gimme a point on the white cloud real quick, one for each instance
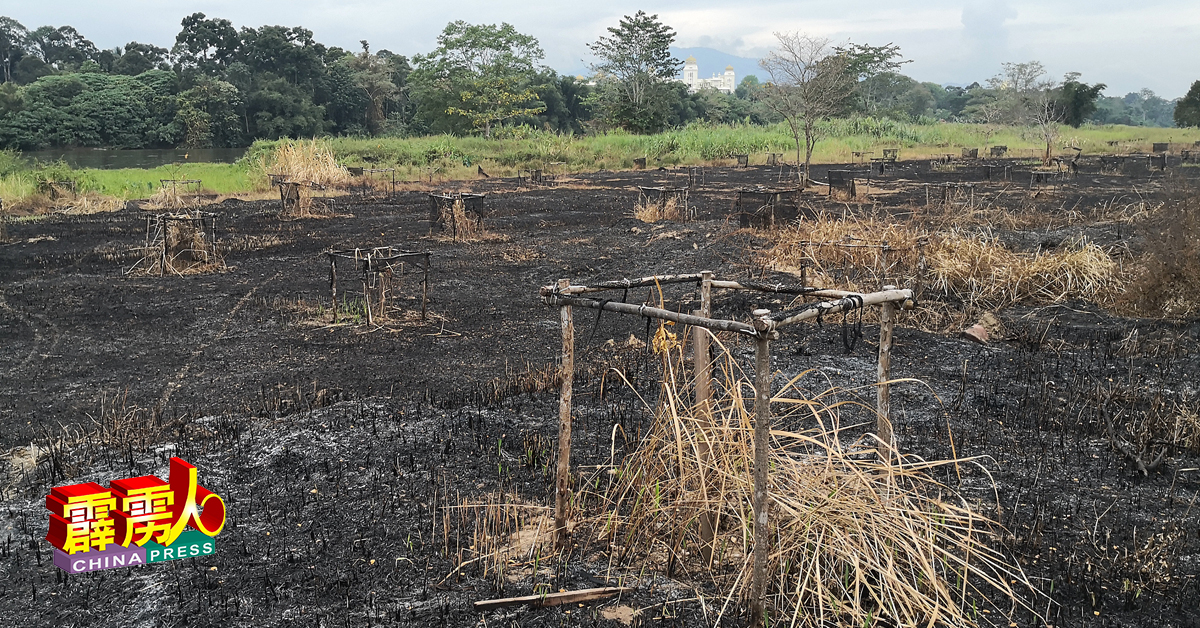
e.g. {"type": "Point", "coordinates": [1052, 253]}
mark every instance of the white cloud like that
{"type": "Point", "coordinates": [1127, 46]}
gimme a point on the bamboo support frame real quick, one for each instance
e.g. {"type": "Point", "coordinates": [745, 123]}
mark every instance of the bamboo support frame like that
{"type": "Point", "coordinates": [764, 328]}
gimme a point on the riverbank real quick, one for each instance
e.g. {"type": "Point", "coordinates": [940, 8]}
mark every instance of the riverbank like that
{"type": "Point", "coordinates": [444, 158]}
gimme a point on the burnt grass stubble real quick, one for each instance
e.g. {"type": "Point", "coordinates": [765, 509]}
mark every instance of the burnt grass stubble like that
{"type": "Point", "coordinates": [336, 448]}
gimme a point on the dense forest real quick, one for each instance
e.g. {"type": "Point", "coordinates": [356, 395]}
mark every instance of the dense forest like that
{"type": "Point", "coordinates": [218, 86]}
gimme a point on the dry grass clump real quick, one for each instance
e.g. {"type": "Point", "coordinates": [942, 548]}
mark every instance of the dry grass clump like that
{"type": "Point", "coordinates": [91, 203]}
{"type": "Point", "coordinates": [463, 225]}
{"type": "Point", "coordinates": [499, 538]}
{"type": "Point", "coordinates": [305, 161]}
{"type": "Point", "coordinates": [189, 250]}
{"type": "Point", "coordinates": [1166, 277]}
{"type": "Point", "coordinates": [648, 210]}
{"type": "Point", "coordinates": [855, 541]}
{"type": "Point", "coordinates": [973, 268]}
{"type": "Point", "coordinates": [850, 253]}
{"type": "Point", "coordinates": [171, 197]}
{"type": "Point", "coordinates": [978, 269]}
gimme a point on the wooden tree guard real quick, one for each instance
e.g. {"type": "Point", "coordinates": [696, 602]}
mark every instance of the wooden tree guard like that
{"type": "Point", "coordinates": [659, 196]}
{"type": "Point", "coordinates": [764, 328]}
{"type": "Point", "coordinates": [158, 238]}
{"type": "Point", "coordinates": [759, 206]}
{"type": "Point", "coordinates": [441, 210]}
{"type": "Point", "coordinates": [376, 265]}
{"type": "Point", "coordinates": [289, 196]}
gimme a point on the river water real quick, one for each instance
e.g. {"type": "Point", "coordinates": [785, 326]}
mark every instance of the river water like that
{"type": "Point", "coordinates": [137, 158]}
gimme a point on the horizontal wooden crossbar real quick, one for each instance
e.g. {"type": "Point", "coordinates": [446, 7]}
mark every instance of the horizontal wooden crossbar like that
{"type": "Point", "coordinates": [839, 301]}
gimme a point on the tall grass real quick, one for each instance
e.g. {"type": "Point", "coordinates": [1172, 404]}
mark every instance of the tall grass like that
{"type": "Point", "coordinates": [701, 143]}
{"type": "Point", "coordinates": [855, 540]}
{"type": "Point", "coordinates": [302, 161]}
{"type": "Point", "coordinates": [442, 157]}
{"type": "Point", "coordinates": [968, 266]}
{"type": "Point", "coordinates": [135, 183]}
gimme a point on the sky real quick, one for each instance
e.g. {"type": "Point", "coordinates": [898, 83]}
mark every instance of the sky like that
{"type": "Point", "coordinates": [1126, 44]}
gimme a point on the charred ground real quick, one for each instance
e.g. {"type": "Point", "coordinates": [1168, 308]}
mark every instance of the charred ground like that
{"type": "Point", "coordinates": [338, 447]}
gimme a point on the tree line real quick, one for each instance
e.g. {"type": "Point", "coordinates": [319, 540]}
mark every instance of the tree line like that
{"type": "Point", "coordinates": [218, 86]}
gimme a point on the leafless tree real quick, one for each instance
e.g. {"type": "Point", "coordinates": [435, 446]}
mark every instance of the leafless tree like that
{"type": "Point", "coordinates": [810, 82]}
{"type": "Point", "coordinates": [1048, 116]}
{"type": "Point", "coordinates": [1024, 96]}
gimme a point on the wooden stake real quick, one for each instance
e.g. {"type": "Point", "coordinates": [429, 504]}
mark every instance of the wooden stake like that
{"type": "Point", "coordinates": [166, 229]}
{"type": "Point", "coordinates": [367, 300]}
{"type": "Point", "coordinates": [703, 367]}
{"type": "Point", "coordinates": [883, 427]}
{"type": "Point", "coordinates": [333, 286]}
{"type": "Point", "coordinates": [762, 433]}
{"type": "Point", "coordinates": [425, 288]}
{"type": "Point", "coordinates": [567, 373]}
{"type": "Point", "coordinates": [382, 279]}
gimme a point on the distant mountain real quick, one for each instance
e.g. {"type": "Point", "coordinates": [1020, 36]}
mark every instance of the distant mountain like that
{"type": "Point", "coordinates": [714, 62]}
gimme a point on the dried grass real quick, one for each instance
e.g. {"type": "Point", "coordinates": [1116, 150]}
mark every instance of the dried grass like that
{"type": "Point", "coordinates": [1166, 277]}
{"type": "Point", "coordinates": [855, 541]}
{"type": "Point", "coordinates": [970, 267]}
{"type": "Point", "coordinates": [979, 270]}
{"type": "Point", "coordinates": [499, 538]}
{"type": "Point", "coordinates": [305, 161]}
{"type": "Point", "coordinates": [465, 226]}
{"type": "Point", "coordinates": [92, 203]}
{"type": "Point", "coordinates": [648, 210]}
{"type": "Point", "coordinates": [170, 197]}
{"type": "Point", "coordinates": [189, 251]}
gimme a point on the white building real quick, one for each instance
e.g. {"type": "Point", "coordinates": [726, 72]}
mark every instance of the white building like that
{"type": "Point", "coordinates": [691, 78]}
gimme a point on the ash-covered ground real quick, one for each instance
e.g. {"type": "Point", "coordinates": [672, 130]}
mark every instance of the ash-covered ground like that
{"type": "Point", "coordinates": [339, 448]}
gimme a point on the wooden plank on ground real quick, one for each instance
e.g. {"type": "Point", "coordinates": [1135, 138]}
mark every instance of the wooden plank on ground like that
{"type": "Point", "coordinates": [551, 599]}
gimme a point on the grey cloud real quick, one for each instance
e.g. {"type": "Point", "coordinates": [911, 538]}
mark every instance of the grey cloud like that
{"type": "Point", "coordinates": [983, 23]}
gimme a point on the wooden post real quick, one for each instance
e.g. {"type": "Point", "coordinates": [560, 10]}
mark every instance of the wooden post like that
{"type": "Point", "coordinates": [762, 433]}
{"type": "Point", "coordinates": [703, 367]}
{"type": "Point", "coordinates": [166, 232]}
{"type": "Point", "coordinates": [367, 290]}
{"type": "Point", "coordinates": [333, 284]}
{"type": "Point", "coordinates": [382, 279]}
{"type": "Point", "coordinates": [566, 376]}
{"type": "Point", "coordinates": [425, 288]}
{"type": "Point", "coordinates": [883, 408]}
{"type": "Point", "coordinates": [702, 358]}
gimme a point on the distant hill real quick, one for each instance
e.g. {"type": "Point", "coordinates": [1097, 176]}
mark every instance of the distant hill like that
{"type": "Point", "coordinates": [714, 62]}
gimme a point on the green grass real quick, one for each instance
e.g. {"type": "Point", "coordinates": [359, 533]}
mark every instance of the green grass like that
{"type": "Point", "coordinates": [140, 183]}
{"type": "Point", "coordinates": [133, 183]}
{"type": "Point", "coordinates": [446, 157]}
{"type": "Point", "coordinates": [696, 144]}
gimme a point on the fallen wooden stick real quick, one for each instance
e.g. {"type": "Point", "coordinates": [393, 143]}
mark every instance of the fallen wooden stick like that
{"type": "Point", "coordinates": [551, 599]}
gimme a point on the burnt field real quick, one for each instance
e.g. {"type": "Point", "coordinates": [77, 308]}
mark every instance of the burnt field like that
{"type": "Point", "coordinates": [353, 458]}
